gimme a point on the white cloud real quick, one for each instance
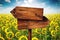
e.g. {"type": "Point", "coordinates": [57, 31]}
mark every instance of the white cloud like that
{"type": "Point", "coordinates": [8, 1]}
{"type": "Point", "coordinates": [25, 3]}
{"type": "Point", "coordinates": [6, 10]}
{"type": "Point", "coordinates": [31, 3]}
{"type": "Point", "coordinates": [19, 2]}
{"type": "Point", "coordinates": [47, 9]}
{"type": "Point", "coordinates": [41, 5]}
{"type": "Point", "coordinates": [50, 10]}
{"type": "Point", "coordinates": [28, 1]}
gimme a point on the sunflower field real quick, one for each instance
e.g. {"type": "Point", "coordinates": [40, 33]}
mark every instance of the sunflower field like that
{"type": "Point", "coordinates": [9, 31]}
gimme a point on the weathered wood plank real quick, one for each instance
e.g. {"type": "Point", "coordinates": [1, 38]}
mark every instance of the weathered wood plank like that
{"type": "Point", "coordinates": [30, 24]}
{"type": "Point", "coordinates": [28, 13]}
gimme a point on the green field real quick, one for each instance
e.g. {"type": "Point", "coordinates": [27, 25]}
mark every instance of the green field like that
{"type": "Point", "coordinates": [9, 31]}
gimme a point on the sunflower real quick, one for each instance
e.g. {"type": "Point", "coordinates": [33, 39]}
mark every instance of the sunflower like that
{"type": "Point", "coordinates": [7, 21]}
{"type": "Point", "coordinates": [51, 28]}
{"type": "Point", "coordinates": [34, 30]}
{"type": "Point", "coordinates": [22, 38]}
{"type": "Point", "coordinates": [34, 38]}
{"type": "Point", "coordinates": [57, 28]}
{"type": "Point", "coordinates": [53, 32]}
{"type": "Point", "coordinates": [17, 34]}
{"type": "Point", "coordinates": [52, 23]}
{"type": "Point", "coordinates": [16, 27]}
{"type": "Point", "coordinates": [1, 38]}
{"type": "Point", "coordinates": [7, 30]}
{"type": "Point", "coordinates": [10, 35]}
{"type": "Point", "coordinates": [4, 27]}
{"type": "Point", "coordinates": [43, 30]}
{"type": "Point", "coordinates": [0, 16]}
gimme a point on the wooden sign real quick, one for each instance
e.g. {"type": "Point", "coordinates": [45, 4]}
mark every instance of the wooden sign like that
{"type": "Point", "coordinates": [28, 13]}
{"type": "Point", "coordinates": [29, 18]}
{"type": "Point", "coordinates": [30, 24]}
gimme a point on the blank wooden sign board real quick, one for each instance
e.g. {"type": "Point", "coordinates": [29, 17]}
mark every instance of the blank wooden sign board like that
{"type": "Point", "coordinates": [29, 18]}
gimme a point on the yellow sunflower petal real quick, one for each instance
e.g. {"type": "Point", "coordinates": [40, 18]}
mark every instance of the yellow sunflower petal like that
{"type": "Point", "coordinates": [17, 34]}
{"type": "Point", "coordinates": [21, 37]}
{"type": "Point", "coordinates": [1, 38]}
{"type": "Point", "coordinates": [34, 38]}
{"type": "Point", "coordinates": [10, 35]}
{"type": "Point", "coordinates": [53, 32]}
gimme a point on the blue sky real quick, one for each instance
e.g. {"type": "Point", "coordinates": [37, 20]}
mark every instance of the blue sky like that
{"type": "Point", "coordinates": [50, 6]}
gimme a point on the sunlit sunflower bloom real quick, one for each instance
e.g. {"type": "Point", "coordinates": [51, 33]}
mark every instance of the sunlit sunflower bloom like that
{"type": "Point", "coordinates": [10, 35]}
{"type": "Point", "coordinates": [56, 24]}
{"type": "Point", "coordinates": [35, 30]}
{"type": "Point", "coordinates": [43, 30]}
{"type": "Point", "coordinates": [50, 28]}
{"type": "Point", "coordinates": [52, 23]}
{"type": "Point", "coordinates": [15, 27]}
{"type": "Point", "coordinates": [1, 38]}
{"type": "Point", "coordinates": [23, 38]}
{"type": "Point", "coordinates": [53, 32]}
{"type": "Point", "coordinates": [34, 38]}
{"type": "Point", "coordinates": [0, 16]}
{"type": "Point", "coordinates": [7, 30]}
{"type": "Point", "coordinates": [57, 28]}
{"type": "Point", "coordinates": [4, 27]}
{"type": "Point", "coordinates": [13, 23]}
{"type": "Point", "coordinates": [17, 34]}
{"type": "Point", "coordinates": [7, 21]}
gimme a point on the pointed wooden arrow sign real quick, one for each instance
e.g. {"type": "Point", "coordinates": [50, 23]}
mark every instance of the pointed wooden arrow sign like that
{"type": "Point", "coordinates": [29, 18]}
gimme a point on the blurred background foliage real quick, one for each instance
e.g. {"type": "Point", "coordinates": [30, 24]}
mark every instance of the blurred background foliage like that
{"type": "Point", "coordinates": [9, 31]}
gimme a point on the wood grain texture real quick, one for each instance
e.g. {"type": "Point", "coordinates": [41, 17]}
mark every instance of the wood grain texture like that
{"type": "Point", "coordinates": [28, 13]}
{"type": "Point", "coordinates": [30, 24]}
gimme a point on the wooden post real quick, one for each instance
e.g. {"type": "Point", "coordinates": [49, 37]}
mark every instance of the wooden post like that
{"type": "Point", "coordinates": [29, 34]}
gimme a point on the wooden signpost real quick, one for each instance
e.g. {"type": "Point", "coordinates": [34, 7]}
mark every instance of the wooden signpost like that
{"type": "Point", "coordinates": [29, 18]}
